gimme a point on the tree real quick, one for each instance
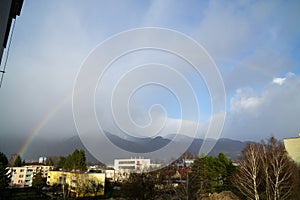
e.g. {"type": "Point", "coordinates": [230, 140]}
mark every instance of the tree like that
{"type": "Point", "coordinates": [188, 188]}
{"type": "Point", "coordinates": [74, 161]}
{"type": "Point", "coordinates": [3, 159]}
{"type": "Point", "coordinates": [81, 165]}
{"type": "Point", "coordinates": [18, 161]}
{"type": "Point", "coordinates": [66, 190]}
{"type": "Point", "coordinates": [49, 161]}
{"type": "Point", "coordinates": [38, 181]}
{"type": "Point", "coordinates": [140, 186]}
{"type": "Point", "coordinates": [83, 185]}
{"type": "Point", "coordinates": [266, 172]}
{"type": "Point", "coordinates": [4, 177]}
{"type": "Point", "coordinates": [212, 174]}
{"type": "Point", "coordinates": [61, 162]}
{"type": "Point", "coordinates": [227, 173]}
{"type": "Point", "coordinates": [95, 185]}
{"type": "Point", "coordinates": [247, 179]}
{"type": "Point", "coordinates": [109, 188]}
{"type": "Point", "coordinates": [279, 171]}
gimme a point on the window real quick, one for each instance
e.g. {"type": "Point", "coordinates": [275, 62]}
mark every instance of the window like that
{"type": "Point", "coordinates": [21, 170]}
{"type": "Point", "coordinates": [20, 181]}
{"type": "Point", "coordinates": [127, 167]}
{"type": "Point", "coordinates": [21, 176]}
{"type": "Point", "coordinates": [126, 162]}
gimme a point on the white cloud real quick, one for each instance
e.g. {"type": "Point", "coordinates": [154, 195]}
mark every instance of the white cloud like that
{"type": "Point", "coordinates": [245, 101]}
{"type": "Point", "coordinates": [279, 81]}
{"type": "Point", "coordinates": [273, 111]}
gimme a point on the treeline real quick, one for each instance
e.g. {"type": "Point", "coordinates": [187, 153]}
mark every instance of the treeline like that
{"type": "Point", "coordinates": [75, 161]}
{"type": "Point", "coordinates": [208, 174]}
{"type": "Point", "coordinates": [264, 171]}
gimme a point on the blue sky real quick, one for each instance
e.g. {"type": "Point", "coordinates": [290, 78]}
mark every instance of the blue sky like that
{"type": "Point", "coordinates": [255, 45]}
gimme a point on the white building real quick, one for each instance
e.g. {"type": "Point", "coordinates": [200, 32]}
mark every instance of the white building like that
{"type": "Point", "coordinates": [23, 176]}
{"type": "Point", "coordinates": [42, 160]}
{"type": "Point", "coordinates": [132, 164]}
{"type": "Point", "coordinates": [123, 167]}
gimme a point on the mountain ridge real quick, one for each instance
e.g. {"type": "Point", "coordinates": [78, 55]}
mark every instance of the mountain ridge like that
{"type": "Point", "coordinates": [231, 148]}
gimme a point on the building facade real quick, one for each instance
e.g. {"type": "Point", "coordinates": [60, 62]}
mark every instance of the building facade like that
{"type": "Point", "coordinates": [292, 146]}
{"type": "Point", "coordinates": [23, 176]}
{"type": "Point", "coordinates": [132, 164]}
{"type": "Point", "coordinates": [78, 183]}
{"type": "Point", "coordinates": [20, 177]}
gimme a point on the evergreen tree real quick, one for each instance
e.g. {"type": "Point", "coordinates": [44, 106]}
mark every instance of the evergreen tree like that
{"type": "Point", "coordinates": [82, 161]}
{"type": "Point", "coordinates": [49, 162]}
{"type": "Point", "coordinates": [3, 159]}
{"type": "Point", "coordinates": [226, 175]}
{"type": "Point", "coordinates": [4, 177]}
{"type": "Point", "coordinates": [61, 162]}
{"type": "Point", "coordinates": [74, 161]}
{"type": "Point", "coordinates": [38, 182]}
{"type": "Point", "coordinates": [18, 162]}
{"type": "Point", "coordinates": [212, 174]}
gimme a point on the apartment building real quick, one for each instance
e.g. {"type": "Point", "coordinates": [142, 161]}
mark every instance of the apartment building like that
{"type": "Point", "coordinates": [23, 176]}
{"type": "Point", "coordinates": [76, 181]}
{"type": "Point", "coordinates": [39, 168]}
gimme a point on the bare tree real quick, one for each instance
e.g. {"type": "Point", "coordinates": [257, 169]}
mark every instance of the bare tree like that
{"type": "Point", "coordinates": [279, 170]}
{"type": "Point", "coordinates": [82, 185]}
{"type": "Point", "coordinates": [265, 171]}
{"type": "Point", "coordinates": [95, 185]}
{"type": "Point", "coordinates": [247, 179]}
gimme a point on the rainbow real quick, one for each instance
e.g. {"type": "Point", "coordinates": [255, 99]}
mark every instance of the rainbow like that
{"type": "Point", "coordinates": [40, 125]}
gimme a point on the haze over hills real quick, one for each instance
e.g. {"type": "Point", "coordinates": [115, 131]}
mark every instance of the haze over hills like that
{"type": "Point", "coordinates": [40, 147]}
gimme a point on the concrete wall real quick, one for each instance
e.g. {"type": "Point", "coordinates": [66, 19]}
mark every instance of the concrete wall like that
{"type": "Point", "coordinates": [292, 146]}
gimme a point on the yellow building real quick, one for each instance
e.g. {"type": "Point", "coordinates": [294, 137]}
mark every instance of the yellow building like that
{"type": "Point", "coordinates": [82, 184]}
{"type": "Point", "coordinates": [292, 146]}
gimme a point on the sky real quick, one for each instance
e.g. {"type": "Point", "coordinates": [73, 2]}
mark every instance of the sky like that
{"type": "Point", "coordinates": [255, 46]}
